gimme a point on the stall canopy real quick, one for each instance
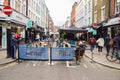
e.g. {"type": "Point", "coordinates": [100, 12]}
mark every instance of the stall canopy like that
{"type": "Point", "coordinates": [92, 30]}
{"type": "Point", "coordinates": [73, 29]}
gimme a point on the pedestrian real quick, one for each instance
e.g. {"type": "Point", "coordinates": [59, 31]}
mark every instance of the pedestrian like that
{"type": "Point", "coordinates": [65, 43]}
{"type": "Point", "coordinates": [100, 43]}
{"type": "Point", "coordinates": [116, 44]}
{"type": "Point", "coordinates": [107, 40]}
{"type": "Point", "coordinates": [37, 37]}
{"type": "Point", "coordinates": [82, 37]}
{"type": "Point", "coordinates": [92, 42]}
{"type": "Point", "coordinates": [14, 44]}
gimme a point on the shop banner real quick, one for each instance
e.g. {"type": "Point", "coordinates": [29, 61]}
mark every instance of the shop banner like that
{"type": "Point", "coordinates": [62, 53]}
{"type": "Point", "coordinates": [33, 53]}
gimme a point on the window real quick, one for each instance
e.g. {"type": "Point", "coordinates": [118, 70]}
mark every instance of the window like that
{"type": "Point", "coordinates": [85, 9]}
{"type": "Point", "coordinates": [89, 20]}
{"type": "Point", "coordinates": [85, 22]}
{"type": "Point", "coordinates": [89, 6]}
{"type": "Point", "coordinates": [103, 13]}
{"type": "Point", "coordinates": [95, 17]}
{"type": "Point", "coordinates": [117, 7]}
{"type": "Point", "coordinates": [95, 2]}
{"type": "Point", "coordinates": [12, 4]}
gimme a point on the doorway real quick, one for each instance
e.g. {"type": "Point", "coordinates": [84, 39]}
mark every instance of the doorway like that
{"type": "Point", "coordinates": [0, 37]}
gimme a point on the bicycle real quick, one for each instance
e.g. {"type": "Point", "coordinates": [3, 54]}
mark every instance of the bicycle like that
{"type": "Point", "coordinates": [113, 56]}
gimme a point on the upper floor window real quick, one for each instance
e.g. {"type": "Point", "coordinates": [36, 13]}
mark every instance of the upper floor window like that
{"type": "Point", "coordinates": [89, 6]}
{"type": "Point", "coordinates": [103, 13]}
{"type": "Point", "coordinates": [117, 7]}
{"type": "Point", "coordinates": [85, 9]}
{"type": "Point", "coordinates": [95, 17]}
{"type": "Point", "coordinates": [89, 20]}
{"type": "Point", "coordinates": [95, 2]}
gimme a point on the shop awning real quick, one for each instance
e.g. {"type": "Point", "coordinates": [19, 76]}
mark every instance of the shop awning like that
{"type": "Point", "coordinates": [113, 21]}
{"type": "Point", "coordinates": [73, 29]}
{"type": "Point", "coordinates": [92, 30]}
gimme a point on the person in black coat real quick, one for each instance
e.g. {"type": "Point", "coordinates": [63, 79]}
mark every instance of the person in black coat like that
{"type": "Point", "coordinates": [14, 44]}
{"type": "Point", "coordinates": [107, 39]}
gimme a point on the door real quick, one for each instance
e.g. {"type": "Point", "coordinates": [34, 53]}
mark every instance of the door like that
{"type": "Point", "coordinates": [0, 37]}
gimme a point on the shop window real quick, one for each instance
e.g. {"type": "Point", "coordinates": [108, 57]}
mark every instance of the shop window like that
{"type": "Point", "coordinates": [0, 11]}
{"type": "Point", "coordinates": [0, 36]}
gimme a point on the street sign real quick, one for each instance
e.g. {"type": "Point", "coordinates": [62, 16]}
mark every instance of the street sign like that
{"type": "Point", "coordinates": [7, 10]}
{"type": "Point", "coordinates": [95, 25]}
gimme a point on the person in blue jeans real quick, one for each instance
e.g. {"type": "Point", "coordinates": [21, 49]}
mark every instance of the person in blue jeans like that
{"type": "Point", "coordinates": [107, 39]}
{"type": "Point", "coordinates": [116, 44]}
{"type": "Point", "coordinates": [92, 42]}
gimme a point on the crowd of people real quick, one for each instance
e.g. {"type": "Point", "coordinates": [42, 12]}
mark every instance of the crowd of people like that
{"type": "Point", "coordinates": [109, 43]}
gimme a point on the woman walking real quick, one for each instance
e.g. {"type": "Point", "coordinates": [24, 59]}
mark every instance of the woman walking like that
{"type": "Point", "coordinates": [100, 43]}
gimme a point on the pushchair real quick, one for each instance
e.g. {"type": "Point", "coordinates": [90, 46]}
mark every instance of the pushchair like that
{"type": "Point", "coordinates": [79, 52]}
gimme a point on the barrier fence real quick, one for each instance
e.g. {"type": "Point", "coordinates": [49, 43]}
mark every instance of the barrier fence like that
{"type": "Point", "coordinates": [62, 53]}
{"type": "Point", "coordinates": [30, 52]}
{"type": "Point", "coordinates": [41, 53]}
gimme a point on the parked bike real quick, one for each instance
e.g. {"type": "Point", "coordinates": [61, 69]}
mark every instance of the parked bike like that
{"type": "Point", "coordinates": [113, 56]}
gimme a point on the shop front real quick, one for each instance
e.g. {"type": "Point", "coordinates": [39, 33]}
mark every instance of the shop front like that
{"type": "Point", "coordinates": [113, 27]}
{"type": "Point", "coordinates": [15, 23]}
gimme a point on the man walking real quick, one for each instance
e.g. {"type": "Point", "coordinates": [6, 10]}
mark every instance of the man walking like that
{"type": "Point", "coordinates": [107, 40]}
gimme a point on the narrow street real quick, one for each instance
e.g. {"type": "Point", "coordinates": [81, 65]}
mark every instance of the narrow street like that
{"type": "Point", "coordinates": [61, 70]}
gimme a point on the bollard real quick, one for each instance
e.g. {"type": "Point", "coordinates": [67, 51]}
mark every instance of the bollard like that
{"type": "Point", "coordinates": [92, 58]}
{"type": "Point", "coordinates": [49, 53]}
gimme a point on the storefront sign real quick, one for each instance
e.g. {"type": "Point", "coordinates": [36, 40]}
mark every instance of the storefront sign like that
{"type": "Point", "coordinates": [112, 21]}
{"type": "Point", "coordinates": [17, 17]}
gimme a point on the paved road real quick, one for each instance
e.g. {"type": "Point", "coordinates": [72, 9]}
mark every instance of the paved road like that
{"type": "Point", "coordinates": [61, 70]}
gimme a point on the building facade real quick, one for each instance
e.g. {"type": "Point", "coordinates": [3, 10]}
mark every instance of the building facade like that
{"type": "Point", "coordinates": [88, 13]}
{"type": "Point", "coordinates": [15, 22]}
{"type": "Point", "coordinates": [100, 11]}
{"type": "Point", "coordinates": [73, 13]}
{"type": "Point", "coordinates": [79, 18]}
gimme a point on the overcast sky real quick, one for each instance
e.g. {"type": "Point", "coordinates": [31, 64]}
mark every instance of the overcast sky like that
{"type": "Point", "coordinates": [59, 10]}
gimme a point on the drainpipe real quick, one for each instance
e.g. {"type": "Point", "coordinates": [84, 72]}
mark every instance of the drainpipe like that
{"type": "Point", "coordinates": [27, 8]}
{"type": "Point", "coordinates": [109, 9]}
{"type": "Point", "coordinates": [9, 2]}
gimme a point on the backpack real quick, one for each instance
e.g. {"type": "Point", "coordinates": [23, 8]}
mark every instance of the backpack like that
{"type": "Point", "coordinates": [92, 40]}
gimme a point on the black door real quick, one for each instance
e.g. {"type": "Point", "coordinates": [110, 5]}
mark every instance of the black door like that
{"type": "Point", "coordinates": [0, 37]}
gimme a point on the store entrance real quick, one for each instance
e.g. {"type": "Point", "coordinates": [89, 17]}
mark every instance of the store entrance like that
{"type": "Point", "coordinates": [0, 37]}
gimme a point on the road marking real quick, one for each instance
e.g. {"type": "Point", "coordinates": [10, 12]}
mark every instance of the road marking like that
{"type": "Point", "coordinates": [34, 63]}
{"type": "Point", "coordinates": [67, 64]}
{"type": "Point", "coordinates": [9, 65]}
{"type": "Point", "coordinates": [85, 66]}
{"type": "Point", "coordinates": [88, 61]}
